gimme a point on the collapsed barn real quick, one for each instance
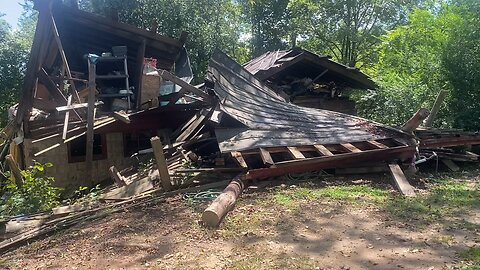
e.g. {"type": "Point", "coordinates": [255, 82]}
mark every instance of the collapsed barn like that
{"type": "Point", "coordinates": [100, 103]}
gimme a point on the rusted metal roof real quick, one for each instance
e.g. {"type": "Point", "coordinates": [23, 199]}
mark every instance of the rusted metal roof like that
{"type": "Point", "coordinates": [270, 121]}
{"type": "Point", "coordinates": [300, 62]}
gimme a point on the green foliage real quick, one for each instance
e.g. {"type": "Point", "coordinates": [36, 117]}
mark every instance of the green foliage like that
{"type": "Point", "coordinates": [14, 51]}
{"type": "Point", "coordinates": [462, 64]}
{"type": "Point", "coordinates": [35, 195]}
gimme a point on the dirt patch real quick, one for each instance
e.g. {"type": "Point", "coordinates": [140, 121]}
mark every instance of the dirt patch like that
{"type": "Point", "coordinates": [286, 227]}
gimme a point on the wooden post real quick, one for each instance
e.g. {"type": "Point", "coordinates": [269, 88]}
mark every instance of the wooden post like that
{"type": "Point", "coordinates": [67, 116]}
{"type": "Point", "coordinates": [140, 59]}
{"type": "Point", "coordinates": [90, 118]}
{"type": "Point", "coordinates": [17, 175]}
{"type": "Point", "coordinates": [436, 107]}
{"type": "Point", "coordinates": [416, 120]}
{"type": "Point", "coordinates": [161, 163]}
{"type": "Point", "coordinates": [218, 209]}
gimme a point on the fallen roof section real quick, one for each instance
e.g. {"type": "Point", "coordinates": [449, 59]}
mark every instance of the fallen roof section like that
{"type": "Point", "coordinates": [277, 64]}
{"type": "Point", "coordinates": [270, 121]}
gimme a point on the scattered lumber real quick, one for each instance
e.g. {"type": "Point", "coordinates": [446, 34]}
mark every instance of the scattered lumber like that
{"type": "Point", "coordinates": [129, 191]}
{"type": "Point", "coordinates": [214, 214]}
{"type": "Point", "coordinates": [117, 177]}
{"type": "Point", "coordinates": [67, 209]}
{"type": "Point", "coordinates": [400, 180]}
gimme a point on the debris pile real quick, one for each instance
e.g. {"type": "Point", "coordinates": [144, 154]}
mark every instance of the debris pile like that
{"type": "Point", "coordinates": [121, 108]}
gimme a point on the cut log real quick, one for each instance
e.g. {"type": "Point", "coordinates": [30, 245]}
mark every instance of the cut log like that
{"type": "Point", "coordinates": [416, 120]}
{"type": "Point", "coordinates": [218, 209]}
{"type": "Point", "coordinates": [400, 180]}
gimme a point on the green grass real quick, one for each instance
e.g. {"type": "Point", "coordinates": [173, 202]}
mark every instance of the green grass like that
{"type": "Point", "coordinates": [354, 194]}
{"type": "Point", "coordinates": [446, 199]}
{"type": "Point", "coordinates": [470, 258]}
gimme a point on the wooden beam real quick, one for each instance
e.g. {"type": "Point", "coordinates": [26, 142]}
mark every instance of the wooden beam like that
{"type": "Point", "coordinates": [295, 153]}
{"type": "Point", "coordinates": [51, 87]}
{"type": "Point", "coordinates": [266, 157]}
{"type": "Point", "coordinates": [15, 170]}
{"type": "Point", "coordinates": [188, 87]}
{"type": "Point", "coordinates": [122, 116]}
{"type": "Point", "coordinates": [161, 163]}
{"type": "Point", "coordinates": [140, 60]}
{"type": "Point", "coordinates": [377, 144]}
{"type": "Point", "coordinates": [436, 107]}
{"type": "Point", "coordinates": [450, 164]}
{"type": "Point", "coordinates": [218, 209]}
{"type": "Point", "coordinates": [415, 120]}
{"type": "Point", "coordinates": [67, 117]}
{"type": "Point", "coordinates": [239, 158]}
{"type": "Point", "coordinates": [76, 106]}
{"type": "Point", "coordinates": [323, 150]}
{"type": "Point", "coordinates": [351, 148]}
{"type": "Point", "coordinates": [90, 117]}
{"type": "Point", "coordinates": [64, 60]}
{"type": "Point", "coordinates": [400, 180]}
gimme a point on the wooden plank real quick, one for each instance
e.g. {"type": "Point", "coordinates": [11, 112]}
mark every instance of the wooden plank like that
{"type": "Point", "coordinates": [76, 106]}
{"type": "Point", "coordinates": [90, 117]}
{"type": "Point", "coordinates": [190, 88]}
{"type": "Point", "coordinates": [140, 60]}
{"type": "Point", "coordinates": [361, 170]}
{"type": "Point", "coordinates": [133, 189]}
{"type": "Point", "coordinates": [377, 144]}
{"type": "Point", "coordinates": [161, 163]}
{"type": "Point", "coordinates": [67, 117]}
{"type": "Point", "coordinates": [194, 126]}
{"type": "Point", "coordinates": [450, 164]}
{"type": "Point", "coordinates": [239, 158]}
{"type": "Point", "coordinates": [295, 153]}
{"type": "Point", "coordinates": [400, 180]}
{"type": "Point", "coordinates": [266, 157]}
{"type": "Point", "coordinates": [436, 107]}
{"type": "Point", "coordinates": [122, 116]}
{"type": "Point", "coordinates": [350, 147]}
{"type": "Point", "coordinates": [15, 170]}
{"type": "Point", "coordinates": [323, 150]}
{"type": "Point", "coordinates": [415, 120]}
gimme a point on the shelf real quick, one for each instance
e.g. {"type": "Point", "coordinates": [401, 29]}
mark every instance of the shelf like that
{"type": "Point", "coordinates": [111, 58]}
{"type": "Point", "coordinates": [111, 77]}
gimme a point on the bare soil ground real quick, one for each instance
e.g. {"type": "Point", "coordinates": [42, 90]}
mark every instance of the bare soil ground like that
{"type": "Point", "coordinates": [351, 223]}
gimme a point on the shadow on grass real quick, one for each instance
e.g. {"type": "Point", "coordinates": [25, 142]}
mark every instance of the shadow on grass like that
{"type": "Point", "coordinates": [446, 200]}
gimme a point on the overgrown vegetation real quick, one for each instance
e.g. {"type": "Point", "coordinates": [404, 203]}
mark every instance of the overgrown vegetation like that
{"type": "Point", "coordinates": [35, 195]}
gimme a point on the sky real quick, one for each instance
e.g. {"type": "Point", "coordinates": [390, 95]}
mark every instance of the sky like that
{"type": "Point", "coordinates": [12, 10]}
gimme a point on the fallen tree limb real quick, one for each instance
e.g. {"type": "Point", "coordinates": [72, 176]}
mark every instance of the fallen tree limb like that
{"type": "Point", "coordinates": [218, 209]}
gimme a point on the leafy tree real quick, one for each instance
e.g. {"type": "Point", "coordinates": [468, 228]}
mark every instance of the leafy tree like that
{"type": "Point", "coordinates": [347, 29]}
{"type": "Point", "coordinates": [461, 60]}
{"type": "Point", "coordinates": [409, 69]}
{"type": "Point", "coordinates": [268, 21]}
{"type": "Point", "coordinates": [14, 51]}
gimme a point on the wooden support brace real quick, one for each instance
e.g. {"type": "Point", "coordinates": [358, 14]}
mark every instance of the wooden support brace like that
{"type": "Point", "coordinates": [351, 148]}
{"type": "Point", "coordinates": [266, 157]}
{"type": "Point", "coordinates": [377, 144]}
{"type": "Point", "coordinates": [67, 117]}
{"type": "Point", "coordinates": [400, 180]}
{"type": "Point", "coordinates": [295, 153]}
{"type": "Point", "coordinates": [90, 118]}
{"type": "Point", "coordinates": [161, 163]}
{"type": "Point", "coordinates": [239, 158]}
{"type": "Point", "coordinates": [323, 150]}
